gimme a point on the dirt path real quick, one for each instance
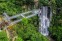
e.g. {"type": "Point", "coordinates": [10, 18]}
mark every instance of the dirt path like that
{"type": "Point", "coordinates": [14, 38]}
{"type": "Point", "coordinates": [10, 35]}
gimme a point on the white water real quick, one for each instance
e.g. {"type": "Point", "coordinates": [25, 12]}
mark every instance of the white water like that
{"type": "Point", "coordinates": [44, 21]}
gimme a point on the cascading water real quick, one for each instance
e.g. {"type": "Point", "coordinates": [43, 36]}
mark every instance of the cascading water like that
{"type": "Point", "coordinates": [44, 21]}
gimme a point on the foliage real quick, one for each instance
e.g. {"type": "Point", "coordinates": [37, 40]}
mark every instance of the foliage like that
{"type": "Point", "coordinates": [14, 6]}
{"type": "Point", "coordinates": [18, 39]}
{"type": "Point", "coordinates": [56, 33]}
{"type": "Point", "coordinates": [43, 2]}
{"type": "Point", "coordinates": [56, 23]}
{"type": "Point", "coordinates": [28, 32]}
{"type": "Point", "coordinates": [3, 36]}
{"type": "Point", "coordinates": [9, 7]}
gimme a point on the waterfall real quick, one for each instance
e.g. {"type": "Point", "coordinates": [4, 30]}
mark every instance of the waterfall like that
{"type": "Point", "coordinates": [44, 21]}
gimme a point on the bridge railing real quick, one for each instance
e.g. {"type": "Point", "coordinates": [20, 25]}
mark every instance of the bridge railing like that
{"type": "Point", "coordinates": [8, 18]}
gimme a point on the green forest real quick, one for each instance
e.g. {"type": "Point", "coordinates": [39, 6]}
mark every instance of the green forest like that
{"type": "Point", "coordinates": [28, 28]}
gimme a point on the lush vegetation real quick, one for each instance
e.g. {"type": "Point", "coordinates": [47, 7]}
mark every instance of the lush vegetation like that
{"type": "Point", "coordinates": [27, 29]}
{"type": "Point", "coordinates": [13, 7]}
{"type": "Point", "coordinates": [3, 36]}
{"type": "Point", "coordinates": [55, 33]}
{"type": "Point", "coordinates": [56, 23]}
{"type": "Point", "coordinates": [28, 32]}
